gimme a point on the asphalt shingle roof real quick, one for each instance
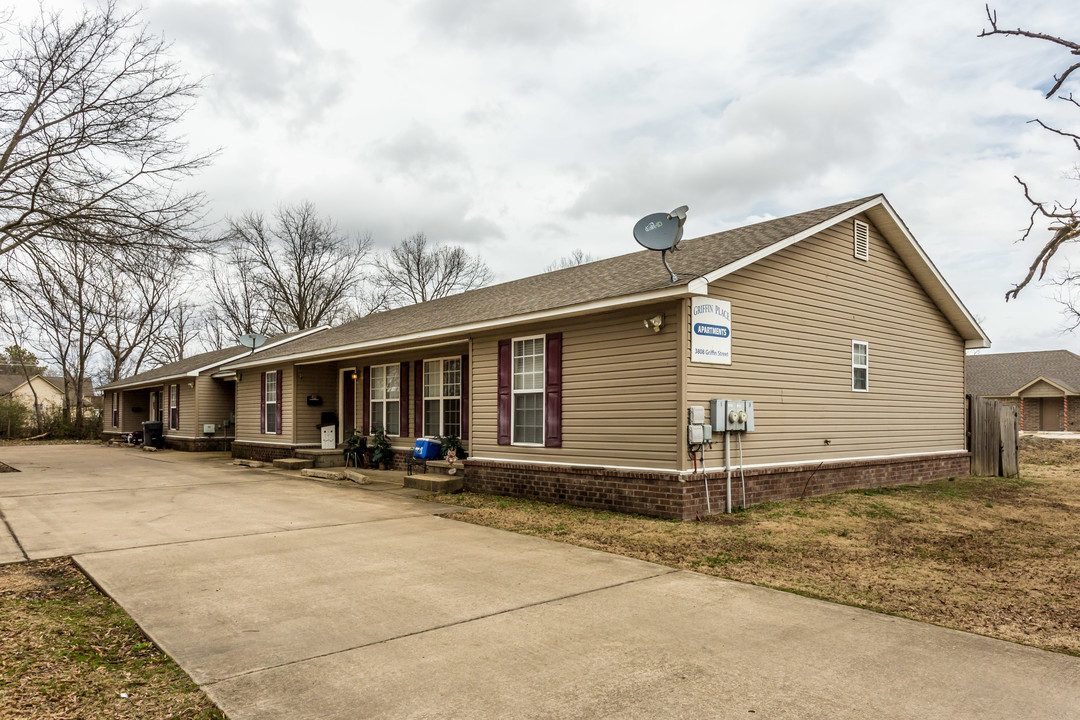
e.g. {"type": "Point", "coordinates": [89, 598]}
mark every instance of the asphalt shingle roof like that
{"type": "Point", "coordinates": [1005, 373]}
{"type": "Point", "coordinates": [630, 274]}
{"type": "Point", "coordinates": [195, 362]}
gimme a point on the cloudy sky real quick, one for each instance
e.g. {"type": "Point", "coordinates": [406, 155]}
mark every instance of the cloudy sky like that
{"type": "Point", "coordinates": [526, 130]}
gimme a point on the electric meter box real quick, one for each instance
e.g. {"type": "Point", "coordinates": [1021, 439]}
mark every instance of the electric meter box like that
{"type": "Point", "coordinates": [732, 415]}
{"type": "Point", "coordinates": [718, 415]}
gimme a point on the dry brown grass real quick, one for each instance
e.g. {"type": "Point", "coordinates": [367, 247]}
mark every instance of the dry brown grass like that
{"type": "Point", "coordinates": [995, 556]}
{"type": "Point", "coordinates": [69, 652]}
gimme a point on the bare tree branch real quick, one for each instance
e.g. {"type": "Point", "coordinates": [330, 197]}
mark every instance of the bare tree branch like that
{"type": "Point", "coordinates": [414, 272]}
{"type": "Point", "coordinates": [87, 150]}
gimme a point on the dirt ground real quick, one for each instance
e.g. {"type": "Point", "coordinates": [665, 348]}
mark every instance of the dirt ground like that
{"type": "Point", "coordinates": [69, 652]}
{"type": "Point", "coordinates": [994, 556]}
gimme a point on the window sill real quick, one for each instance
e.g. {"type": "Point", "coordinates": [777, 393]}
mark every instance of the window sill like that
{"type": "Point", "coordinates": [521, 444]}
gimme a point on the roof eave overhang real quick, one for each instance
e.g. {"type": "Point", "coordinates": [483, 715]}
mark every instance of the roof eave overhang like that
{"type": "Point", "coordinates": [696, 286]}
{"type": "Point", "coordinates": [903, 242]}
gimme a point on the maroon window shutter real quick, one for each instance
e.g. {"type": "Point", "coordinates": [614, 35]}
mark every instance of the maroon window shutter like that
{"type": "Point", "coordinates": [464, 397]}
{"type": "Point", "coordinates": [367, 401]}
{"type": "Point", "coordinates": [418, 399]}
{"type": "Point", "coordinates": [553, 390]}
{"type": "Point", "coordinates": [262, 403]}
{"type": "Point", "coordinates": [403, 394]}
{"type": "Point", "coordinates": [505, 406]}
{"type": "Point", "coordinates": [278, 406]}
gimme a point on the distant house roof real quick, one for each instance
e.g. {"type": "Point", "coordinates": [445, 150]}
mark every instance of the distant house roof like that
{"type": "Point", "coordinates": [633, 278]}
{"type": "Point", "coordinates": [9, 383]}
{"type": "Point", "coordinates": [204, 361]}
{"type": "Point", "coordinates": [1000, 374]}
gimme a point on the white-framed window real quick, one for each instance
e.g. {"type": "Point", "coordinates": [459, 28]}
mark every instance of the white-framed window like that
{"type": "Point", "coordinates": [386, 399]}
{"type": "Point", "coordinates": [860, 366]}
{"type": "Point", "coordinates": [861, 240]}
{"type": "Point", "coordinates": [442, 397]}
{"type": "Point", "coordinates": [527, 427]}
{"type": "Point", "coordinates": [174, 407]}
{"type": "Point", "coordinates": [270, 403]}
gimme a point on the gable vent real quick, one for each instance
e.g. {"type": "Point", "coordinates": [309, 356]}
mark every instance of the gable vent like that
{"type": "Point", "coordinates": [862, 240]}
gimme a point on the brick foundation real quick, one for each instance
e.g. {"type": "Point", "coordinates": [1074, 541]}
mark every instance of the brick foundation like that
{"type": "Point", "coordinates": [683, 497]}
{"type": "Point", "coordinates": [266, 453]}
{"type": "Point", "coordinates": [204, 444]}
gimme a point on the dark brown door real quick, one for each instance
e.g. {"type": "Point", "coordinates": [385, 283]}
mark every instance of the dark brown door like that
{"type": "Point", "coordinates": [1053, 416]}
{"type": "Point", "coordinates": [348, 404]}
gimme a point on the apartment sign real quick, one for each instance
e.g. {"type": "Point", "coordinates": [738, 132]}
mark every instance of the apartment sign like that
{"type": "Point", "coordinates": [710, 331]}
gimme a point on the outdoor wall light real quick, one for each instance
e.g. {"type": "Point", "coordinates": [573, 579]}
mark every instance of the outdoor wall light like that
{"type": "Point", "coordinates": [656, 322]}
{"type": "Point", "coordinates": [353, 375]}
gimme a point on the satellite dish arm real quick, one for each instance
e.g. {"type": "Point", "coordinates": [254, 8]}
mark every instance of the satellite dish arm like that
{"type": "Point", "coordinates": [663, 256]}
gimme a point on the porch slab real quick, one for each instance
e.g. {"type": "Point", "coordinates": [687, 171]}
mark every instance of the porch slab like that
{"type": "Point", "coordinates": [435, 483]}
{"type": "Point", "coordinates": [322, 458]}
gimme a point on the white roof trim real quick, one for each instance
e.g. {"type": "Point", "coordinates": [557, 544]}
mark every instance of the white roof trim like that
{"type": "Point", "coordinates": [695, 287]}
{"type": "Point", "coordinates": [905, 245]}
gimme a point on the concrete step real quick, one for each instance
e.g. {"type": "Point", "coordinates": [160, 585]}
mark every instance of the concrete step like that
{"type": "Point", "coordinates": [328, 474]}
{"type": "Point", "coordinates": [441, 467]}
{"type": "Point", "coordinates": [435, 483]}
{"type": "Point", "coordinates": [323, 458]}
{"type": "Point", "coordinates": [294, 463]}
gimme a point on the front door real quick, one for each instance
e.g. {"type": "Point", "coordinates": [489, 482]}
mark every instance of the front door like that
{"type": "Point", "coordinates": [347, 421]}
{"type": "Point", "coordinates": [1052, 414]}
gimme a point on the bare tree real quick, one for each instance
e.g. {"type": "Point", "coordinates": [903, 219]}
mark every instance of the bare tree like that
{"type": "Point", "coordinates": [1062, 218]}
{"type": "Point", "coordinates": [576, 257]}
{"type": "Point", "coordinates": [182, 332]}
{"type": "Point", "coordinates": [137, 299]}
{"type": "Point", "coordinates": [88, 154]}
{"type": "Point", "coordinates": [414, 272]}
{"type": "Point", "coordinates": [295, 273]}
{"type": "Point", "coordinates": [59, 295]}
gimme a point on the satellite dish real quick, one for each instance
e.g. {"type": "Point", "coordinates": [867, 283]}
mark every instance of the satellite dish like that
{"type": "Point", "coordinates": [662, 231]}
{"type": "Point", "coordinates": [253, 341]}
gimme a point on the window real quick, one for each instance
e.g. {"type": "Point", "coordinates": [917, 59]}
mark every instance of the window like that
{"type": "Point", "coordinates": [862, 240]}
{"type": "Point", "coordinates": [174, 407]}
{"type": "Point", "coordinates": [442, 397]}
{"type": "Point", "coordinates": [528, 391]}
{"type": "Point", "coordinates": [270, 415]}
{"type": "Point", "coordinates": [386, 399]}
{"type": "Point", "coordinates": [860, 366]}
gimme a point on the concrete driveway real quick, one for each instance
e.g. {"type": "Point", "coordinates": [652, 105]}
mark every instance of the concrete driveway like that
{"type": "Point", "coordinates": [286, 598]}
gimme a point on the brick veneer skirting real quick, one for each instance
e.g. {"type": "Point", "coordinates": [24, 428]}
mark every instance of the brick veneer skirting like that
{"type": "Point", "coordinates": [682, 497]}
{"type": "Point", "coordinates": [266, 453]}
{"type": "Point", "coordinates": [203, 444]}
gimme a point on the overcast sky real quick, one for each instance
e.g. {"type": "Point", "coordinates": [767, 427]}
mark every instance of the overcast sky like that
{"type": "Point", "coordinates": [526, 130]}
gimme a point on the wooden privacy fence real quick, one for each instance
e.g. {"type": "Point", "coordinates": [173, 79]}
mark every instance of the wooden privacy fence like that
{"type": "Point", "coordinates": [993, 438]}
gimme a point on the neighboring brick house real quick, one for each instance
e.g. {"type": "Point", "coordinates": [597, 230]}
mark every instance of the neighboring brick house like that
{"type": "Point", "coordinates": [574, 385]}
{"type": "Point", "coordinates": [1044, 386]}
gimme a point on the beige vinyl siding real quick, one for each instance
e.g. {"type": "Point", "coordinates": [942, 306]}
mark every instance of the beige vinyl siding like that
{"type": "Point", "coordinates": [620, 391]}
{"type": "Point", "coordinates": [130, 420]}
{"type": "Point", "coordinates": [794, 317]}
{"type": "Point", "coordinates": [314, 380]}
{"type": "Point", "coordinates": [248, 405]}
{"type": "Point", "coordinates": [188, 409]}
{"type": "Point", "coordinates": [1041, 389]}
{"type": "Point", "coordinates": [216, 404]}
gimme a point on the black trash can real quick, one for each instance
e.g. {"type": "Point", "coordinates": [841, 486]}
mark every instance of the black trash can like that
{"type": "Point", "coordinates": [152, 435]}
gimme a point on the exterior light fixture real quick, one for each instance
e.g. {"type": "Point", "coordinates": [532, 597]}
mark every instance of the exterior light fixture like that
{"type": "Point", "coordinates": [656, 322]}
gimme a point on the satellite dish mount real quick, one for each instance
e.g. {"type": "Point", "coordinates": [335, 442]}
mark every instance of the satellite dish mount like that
{"type": "Point", "coordinates": [254, 341]}
{"type": "Point", "coordinates": [662, 231]}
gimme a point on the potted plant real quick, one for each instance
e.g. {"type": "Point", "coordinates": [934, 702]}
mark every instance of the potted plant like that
{"type": "Point", "coordinates": [356, 447]}
{"type": "Point", "coordinates": [382, 453]}
{"type": "Point", "coordinates": [452, 443]}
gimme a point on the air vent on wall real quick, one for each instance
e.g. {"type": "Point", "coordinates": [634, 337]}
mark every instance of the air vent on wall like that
{"type": "Point", "coordinates": [862, 240]}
